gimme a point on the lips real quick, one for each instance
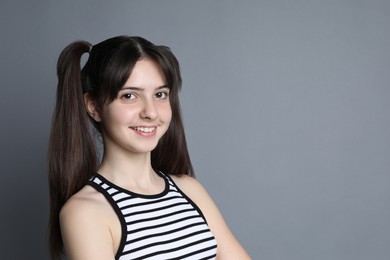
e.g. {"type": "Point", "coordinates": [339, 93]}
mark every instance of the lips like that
{"type": "Point", "coordinates": [144, 129]}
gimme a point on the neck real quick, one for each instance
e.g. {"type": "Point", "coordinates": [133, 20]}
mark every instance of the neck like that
{"type": "Point", "coordinates": [127, 169]}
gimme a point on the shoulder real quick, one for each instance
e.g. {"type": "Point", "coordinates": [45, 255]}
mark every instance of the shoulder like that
{"type": "Point", "coordinates": [191, 187]}
{"type": "Point", "coordinates": [86, 208]}
{"type": "Point", "coordinates": [83, 204]}
{"type": "Point", "coordinates": [186, 182]}
{"type": "Point", "coordinates": [85, 226]}
{"type": "Point", "coordinates": [228, 245]}
{"type": "Point", "coordinates": [197, 193]}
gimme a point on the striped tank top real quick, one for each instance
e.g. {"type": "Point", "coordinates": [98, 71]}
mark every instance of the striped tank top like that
{"type": "Point", "coordinates": [168, 225]}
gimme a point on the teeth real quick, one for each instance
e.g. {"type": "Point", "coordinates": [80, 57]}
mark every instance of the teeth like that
{"type": "Point", "coordinates": [144, 129]}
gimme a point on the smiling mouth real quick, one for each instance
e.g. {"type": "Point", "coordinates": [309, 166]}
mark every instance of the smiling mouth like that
{"type": "Point", "coordinates": [144, 129]}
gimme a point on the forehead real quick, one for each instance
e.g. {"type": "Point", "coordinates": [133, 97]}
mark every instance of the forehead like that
{"type": "Point", "coordinates": [146, 73]}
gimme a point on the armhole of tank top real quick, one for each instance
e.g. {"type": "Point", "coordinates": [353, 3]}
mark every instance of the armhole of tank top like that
{"type": "Point", "coordinates": [117, 212]}
{"type": "Point", "coordinates": [187, 198]}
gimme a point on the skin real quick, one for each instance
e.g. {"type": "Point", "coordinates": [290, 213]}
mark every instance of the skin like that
{"type": "Point", "coordinates": [90, 228]}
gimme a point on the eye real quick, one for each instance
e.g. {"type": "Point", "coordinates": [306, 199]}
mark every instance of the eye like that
{"type": "Point", "coordinates": [162, 95]}
{"type": "Point", "coordinates": [128, 96]}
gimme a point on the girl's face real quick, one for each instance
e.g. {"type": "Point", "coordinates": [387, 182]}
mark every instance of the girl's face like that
{"type": "Point", "coordinates": [140, 115]}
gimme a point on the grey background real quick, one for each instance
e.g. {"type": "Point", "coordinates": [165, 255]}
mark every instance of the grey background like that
{"type": "Point", "coordinates": [286, 107]}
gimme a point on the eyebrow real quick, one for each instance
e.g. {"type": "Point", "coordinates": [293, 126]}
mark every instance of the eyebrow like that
{"type": "Point", "coordinates": [141, 89]}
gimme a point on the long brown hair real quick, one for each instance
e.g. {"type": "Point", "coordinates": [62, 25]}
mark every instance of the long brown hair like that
{"type": "Point", "coordinates": [72, 155]}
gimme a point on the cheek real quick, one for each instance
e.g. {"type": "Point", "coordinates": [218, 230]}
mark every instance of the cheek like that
{"type": "Point", "coordinates": [117, 116]}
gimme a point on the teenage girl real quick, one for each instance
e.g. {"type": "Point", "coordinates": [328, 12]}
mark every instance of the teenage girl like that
{"type": "Point", "coordinates": [140, 201]}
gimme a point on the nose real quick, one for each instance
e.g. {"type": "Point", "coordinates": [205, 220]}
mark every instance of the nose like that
{"type": "Point", "coordinates": [149, 110]}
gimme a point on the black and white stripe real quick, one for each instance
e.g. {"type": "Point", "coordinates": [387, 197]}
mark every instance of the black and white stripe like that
{"type": "Point", "coordinates": [162, 226]}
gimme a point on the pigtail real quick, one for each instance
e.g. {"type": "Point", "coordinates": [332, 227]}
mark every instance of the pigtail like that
{"type": "Point", "coordinates": [177, 161]}
{"type": "Point", "coordinates": [72, 157]}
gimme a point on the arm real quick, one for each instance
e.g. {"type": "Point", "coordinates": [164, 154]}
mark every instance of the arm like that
{"type": "Point", "coordinates": [228, 246]}
{"type": "Point", "coordinates": [84, 230]}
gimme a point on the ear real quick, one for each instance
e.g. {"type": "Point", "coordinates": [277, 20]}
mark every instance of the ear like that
{"type": "Point", "coordinates": [92, 108]}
